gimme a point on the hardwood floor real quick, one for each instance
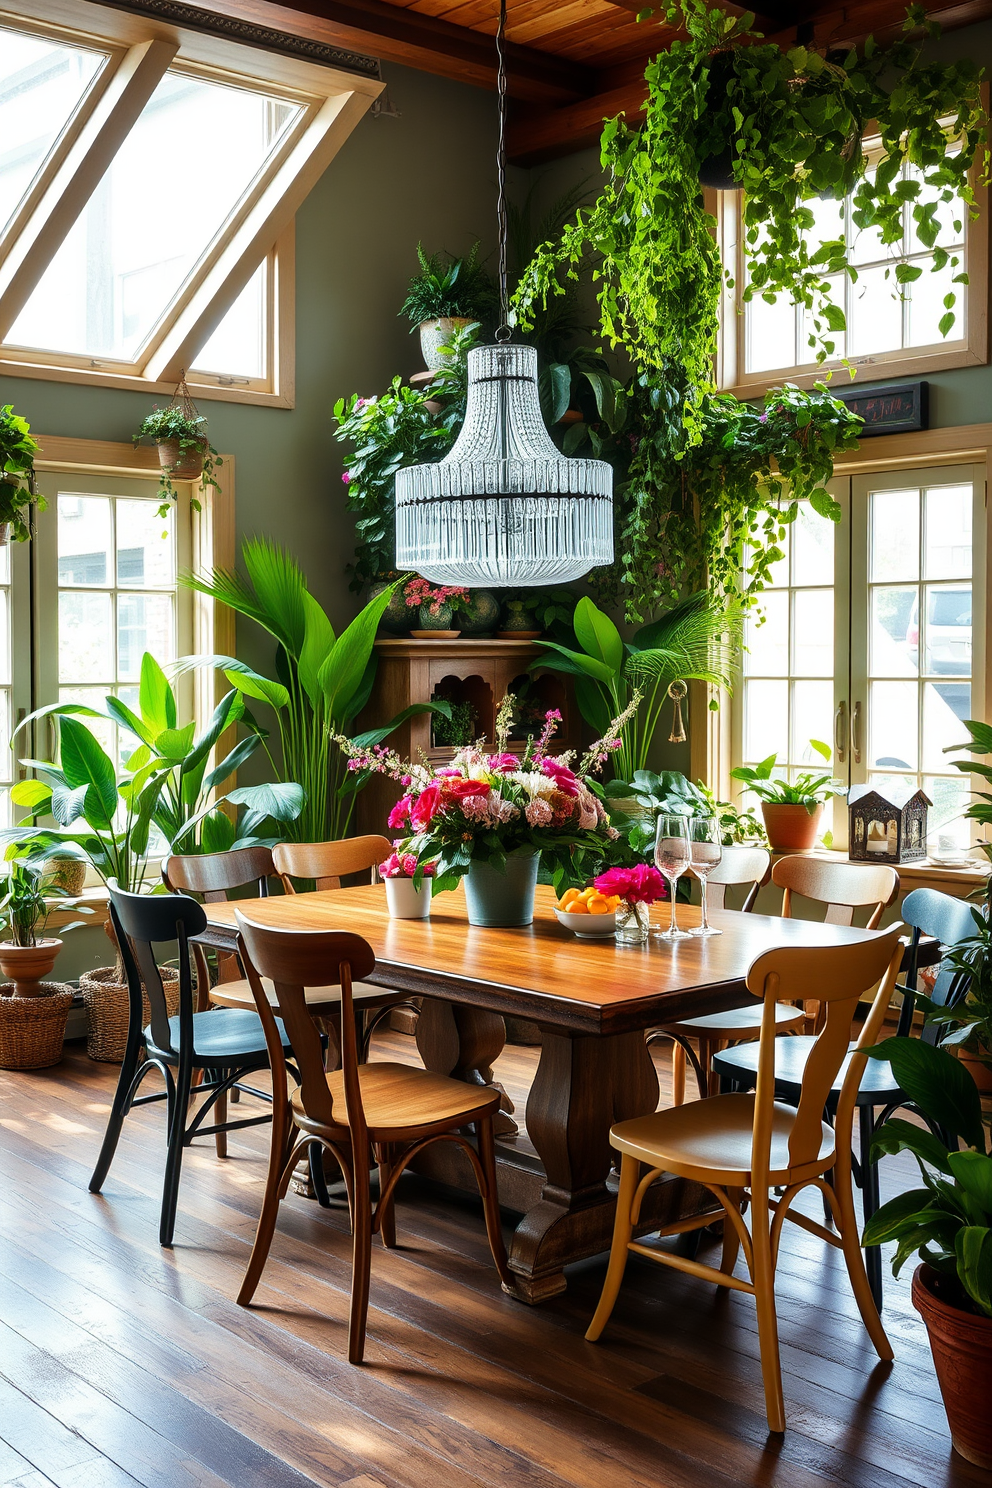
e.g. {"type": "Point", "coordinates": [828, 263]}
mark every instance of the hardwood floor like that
{"type": "Point", "coordinates": [123, 1364]}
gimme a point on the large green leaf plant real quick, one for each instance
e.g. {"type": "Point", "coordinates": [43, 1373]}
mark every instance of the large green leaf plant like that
{"type": "Point", "coordinates": [695, 641]}
{"type": "Point", "coordinates": [322, 682]}
{"type": "Point", "coordinates": [107, 815]}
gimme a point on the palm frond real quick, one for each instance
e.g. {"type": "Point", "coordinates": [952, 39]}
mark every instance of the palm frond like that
{"type": "Point", "coordinates": [228, 588]}
{"type": "Point", "coordinates": [280, 586]}
{"type": "Point", "coordinates": [697, 640]}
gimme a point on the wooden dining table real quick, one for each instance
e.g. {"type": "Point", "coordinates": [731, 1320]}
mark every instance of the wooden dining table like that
{"type": "Point", "coordinates": [592, 1001]}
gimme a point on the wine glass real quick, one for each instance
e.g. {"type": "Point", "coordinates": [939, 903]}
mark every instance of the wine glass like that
{"type": "Point", "coordinates": [672, 856]}
{"type": "Point", "coordinates": [707, 853]}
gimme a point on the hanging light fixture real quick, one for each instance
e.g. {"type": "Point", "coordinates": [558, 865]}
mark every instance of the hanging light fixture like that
{"type": "Point", "coordinates": [504, 506]}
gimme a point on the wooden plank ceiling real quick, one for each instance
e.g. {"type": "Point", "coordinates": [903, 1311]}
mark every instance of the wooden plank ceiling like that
{"type": "Point", "coordinates": [571, 63]}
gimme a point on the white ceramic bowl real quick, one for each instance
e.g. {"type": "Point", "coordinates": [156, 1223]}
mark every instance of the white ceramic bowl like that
{"type": "Point", "coordinates": [587, 926]}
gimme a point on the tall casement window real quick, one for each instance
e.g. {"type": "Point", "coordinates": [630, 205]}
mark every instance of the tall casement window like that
{"type": "Point", "coordinates": [872, 639]}
{"type": "Point", "coordinates": [149, 179]}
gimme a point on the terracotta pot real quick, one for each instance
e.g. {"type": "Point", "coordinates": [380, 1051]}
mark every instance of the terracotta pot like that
{"type": "Point", "coordinates": [182, 463]}
{"type": "Point", "coordinates": [791, 828]}
{"type": "Point", "coordinates": [27, 966]}
{"type": "Point", "coordinates": [979, 1071]}
{"type": "Point", "coordinates": [437, 333]}
{"type": "Point", "coordinates": [961, 1343]}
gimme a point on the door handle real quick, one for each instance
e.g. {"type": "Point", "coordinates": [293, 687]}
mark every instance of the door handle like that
{"type": "Point", "coordinates": [840, 733]}
{"type": "Point", "coordinates": [856, 734]}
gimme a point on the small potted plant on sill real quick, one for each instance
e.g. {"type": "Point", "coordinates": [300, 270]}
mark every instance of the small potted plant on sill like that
{"type": "Point", "coordinates": [33, 1011]}
{"type": "Point", "coordinates": [446, 297]}
{"type": "Point", "coordinates": [17, 452]}
{"type": "Point", "coordinates": [408, 891]}
{"type": "Point", "coordinates": [436, 608]}
{"type": "Point", "coordinates": [791, 809]}
{"type": "Point", "coordinates": [184, 451]}
{"type": "Point", "coordinates": [948, 1223]}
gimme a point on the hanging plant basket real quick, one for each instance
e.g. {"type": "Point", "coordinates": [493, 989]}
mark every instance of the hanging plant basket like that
{"type": "Point", "coordinates": [182, 462]}
{"type": "Point", "coordinates": [184, 451]}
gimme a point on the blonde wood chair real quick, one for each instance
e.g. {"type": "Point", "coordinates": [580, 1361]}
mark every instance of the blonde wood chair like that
{"type": "Point", "coordinates": [328, 862]}
{"type": "Point", "coordinates": [713, 1031]}
{"type": "Point", "coordinates": [396, 1110]}
{"type": "Point", "coordinates": [744, 1146]}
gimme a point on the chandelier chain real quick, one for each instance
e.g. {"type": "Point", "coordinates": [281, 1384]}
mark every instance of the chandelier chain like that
{"type": "Point", "coordinates": [503, 330]}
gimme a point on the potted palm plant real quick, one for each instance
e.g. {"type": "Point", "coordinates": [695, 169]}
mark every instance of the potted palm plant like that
{"type": "Point", "coordinates": [948, 1224]}
{"type": "Point", "coordinates": [445, 297]}
{"type": "Point", "coordinates": [17, 452]}
{"type": "Point", "coordinates": [33, 1011]}
{"type": "Point", "coordinates": [791, 809]}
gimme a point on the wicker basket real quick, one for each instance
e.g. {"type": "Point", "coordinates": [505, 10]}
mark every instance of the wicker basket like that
{"type": "Point", "coordinates": [32, 1029]}
{"type": "Point", "coordinates": [182, 463]}
{"type": "Point", "coordinates": [107, 1005]}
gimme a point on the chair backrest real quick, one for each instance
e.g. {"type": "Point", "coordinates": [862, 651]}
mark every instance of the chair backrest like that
{"type": "Point", "coordinates": [141, 921]}
{"type": "Point", "coordinates": [214, 874]}
{"type": "Point", "coordinates": [328, 862]}
{"type": "Point", "coordinates": [842, 887]}
{"type": "Point", "coordinates": [295, 960]}
{"type": "Point", "coordinates": [739, 865]}
{"type": "Point", "coordinates": [836, 977]}
{"type": "Point", "coordinates": [948, 920]}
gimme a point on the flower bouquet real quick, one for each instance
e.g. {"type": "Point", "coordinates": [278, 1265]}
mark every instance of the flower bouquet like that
{"type": "Point", "coordinates": [490, 816]}
{"type": "Point", "coordinates": [637, 888]}
{"type": "Point", "coordinates": [406, 899]}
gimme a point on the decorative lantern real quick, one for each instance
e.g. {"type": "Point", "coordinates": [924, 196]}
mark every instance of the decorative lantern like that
{"type": "Point", "coordinates": [504, 507]}
{"type": "Point", "coordinates": [886, 830]}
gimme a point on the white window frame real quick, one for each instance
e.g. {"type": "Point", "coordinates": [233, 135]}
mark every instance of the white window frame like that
{"type": "Point", "coordinates": [140, 51]}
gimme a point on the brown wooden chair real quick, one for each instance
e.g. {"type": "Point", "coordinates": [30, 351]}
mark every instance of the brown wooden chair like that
{"type": "Point", "coordinates": [328, 862]}
{"type": "Point", "coordinates": [712, 1031]}
{"type": "Point", "coordinates": [393, 1109]}
{"type": "Point", "coordinates": [212, 876]}
{"type": "Point", "coordinates": [745, 1146]}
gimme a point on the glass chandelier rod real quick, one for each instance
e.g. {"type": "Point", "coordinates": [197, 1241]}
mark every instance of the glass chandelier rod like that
{"type": "Point", "coordinates": [503, 330]}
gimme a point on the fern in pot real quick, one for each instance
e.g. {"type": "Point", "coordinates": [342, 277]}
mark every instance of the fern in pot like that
{"type": "Point", "coordinates": [444, 297]}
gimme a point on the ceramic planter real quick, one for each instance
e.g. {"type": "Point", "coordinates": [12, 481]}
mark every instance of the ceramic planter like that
{"type": "Point", "coordinates": [27, 966]}
{"type": "Point", "coordinates": [791, 828]}
{"type": "Point", "coordinates": [182, 462]}
{"type": "Point", "coordinates": [405, 901]}
{"type": "Point", "coordinates": [437, 333]}
{"type": "Point", "coordinates": [961, 1343]}
{"type": "Point", "coordinates": [436, 617]}
{"type": "Point", "coordinates": [503, 898]}
{"type": "Point", "coordinates": [397, 617]}
{"type": "Point", "coordinates": [482, 615]}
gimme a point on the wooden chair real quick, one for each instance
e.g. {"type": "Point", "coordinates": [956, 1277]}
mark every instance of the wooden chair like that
{"type": "Point", "coordinates": [712, 1031]}
{"type": "Point", "coordinates": [744, 1146]}
{"type": "Point", "coordinates": [948, 920]}
{"type": "Point", "coordinates": [212, 876]}
{"type": "Point", "coordinates": [394, 1109]}
{"type": "Point", "coordinates": [222, 1046]}
{"type": "Point", "coordinates": [328, 862]}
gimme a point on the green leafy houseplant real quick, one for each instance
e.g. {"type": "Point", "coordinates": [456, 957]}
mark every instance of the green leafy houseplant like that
{"type": "Point", "coordinates": [17, 452]}
{"type": "Point", "coordinates": [695, 640]}
{"type": "Point", "coordinates": [28, 898]}
{"type": "Point", "coordinates": [808, 790]}
{"type": "Point", "coordinates": [980, 810]}
{"type": "Point", "coordinates": [180, 439]}
{"type": "Point", "coordinates": [457, 730]}
{"type": "Point", "coordinates": [965, 1024]}
{"type": "Point", "coordinates": [322, 682]}
{"type": "Point", "coordinates": [449, 287]}
{"type": "Point", "coordinates": [792, 122]}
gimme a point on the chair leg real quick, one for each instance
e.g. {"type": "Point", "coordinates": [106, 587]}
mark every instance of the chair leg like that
{"type": "Point", "coordinates": [486, 1142]}
{"type": "Point", "coordinates": [869, 1201]}
{"type": "Point", "coordinates": [847, 1224]}
{"type": "Point", "coordinates": [707, 1048]}
{"type": "Point", "coordinates": [220, 1116]}
{"type": "Point", "coordinates": [764, 1293]}
{"type": "Point", "coordinates": [386, 1213]}
{"type": "Point", "coordinates": [280, 1143]}
{"type": "Point", "coordinates": [678, 1074]}
{"type": "Point", "coordinates": [174, 1157]}
{"type": "Point", "coordinates": [731, 1239]}
{"type": "Point", "coordinates": [630, 1172]}
{"type": "Point", "coordinates": [118, 1111]}
{"type": "Point", "coordinates": [361, 1262]}
{"type": "Point", "coordinates": [318, 1178]}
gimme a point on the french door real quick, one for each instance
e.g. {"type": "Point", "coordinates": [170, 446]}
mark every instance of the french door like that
{"type": "Point", "coordinates": [871, 639]}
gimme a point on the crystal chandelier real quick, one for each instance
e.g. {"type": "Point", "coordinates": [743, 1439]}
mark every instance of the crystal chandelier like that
{"type": "Point", "coordinates": [504, 506]}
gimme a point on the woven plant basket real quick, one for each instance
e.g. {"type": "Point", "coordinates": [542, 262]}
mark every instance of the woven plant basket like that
{"type": "Point", "coordinates": [106, 1003]}
{"type": "Point", "coordinates": [32, 1029]}
{"type": "Point", "coordinates": [182, 463]}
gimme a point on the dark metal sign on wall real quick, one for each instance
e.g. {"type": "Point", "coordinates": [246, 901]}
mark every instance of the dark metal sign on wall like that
{"type": "Point", "coordinates": [896, 408]}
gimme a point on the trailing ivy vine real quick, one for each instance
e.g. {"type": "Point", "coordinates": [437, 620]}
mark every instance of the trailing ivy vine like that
{"type": "Point", "coordinates": [790, 125]}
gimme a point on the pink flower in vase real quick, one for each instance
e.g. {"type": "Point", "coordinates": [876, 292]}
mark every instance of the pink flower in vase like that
{"type": "Point", "coordinates": [641, 884]}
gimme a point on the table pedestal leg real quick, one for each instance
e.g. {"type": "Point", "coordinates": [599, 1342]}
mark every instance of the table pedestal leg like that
{"type": "Point", "coordinates": [463, 1042]}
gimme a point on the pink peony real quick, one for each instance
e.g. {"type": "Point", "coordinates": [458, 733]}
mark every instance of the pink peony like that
{"type": "Point", "coordinates": [399, 817]}
{"type": "Point", "coordinates": [505, 763]}
{"type": "Point", "coordinates": [404, 865]}
{"type": "Point", "coordinates": [565, 779]}
{"type": "Point", "coordinates": [539, 813]}
{"type": "Point", "coordinates": [641, 884]}
{"type": "Point", "coordinates": [426, 807]}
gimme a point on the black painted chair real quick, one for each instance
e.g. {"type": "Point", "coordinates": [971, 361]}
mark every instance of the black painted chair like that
{"type": "Point", "coordinates": [949, 921]}
{"type": "Point", "coordinates": [222, 1045]}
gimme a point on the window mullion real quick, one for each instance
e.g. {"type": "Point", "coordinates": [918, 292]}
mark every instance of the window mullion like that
{"type": "Point", "coordinates": [74, 181]}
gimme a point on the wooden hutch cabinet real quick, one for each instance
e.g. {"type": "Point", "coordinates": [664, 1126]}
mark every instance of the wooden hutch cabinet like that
{"type": "Point", "coordinates": [477, 672]}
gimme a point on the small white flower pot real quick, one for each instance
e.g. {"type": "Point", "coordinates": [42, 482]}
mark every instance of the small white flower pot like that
{"type": "Point", "coordinates": [406, 902]}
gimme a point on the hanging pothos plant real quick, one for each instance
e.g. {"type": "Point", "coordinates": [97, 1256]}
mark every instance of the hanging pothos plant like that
{"type": "Point", "coordinates": [790, 126]}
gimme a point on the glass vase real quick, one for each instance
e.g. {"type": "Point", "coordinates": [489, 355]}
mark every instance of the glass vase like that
{"type": "Point", "coordinates": [632, 923]}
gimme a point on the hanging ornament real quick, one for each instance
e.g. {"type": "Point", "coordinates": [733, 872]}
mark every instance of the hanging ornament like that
{"type": "Point", "coordinates": [678, 692]}
{"type": "Point", "coordinates": [504, 507]}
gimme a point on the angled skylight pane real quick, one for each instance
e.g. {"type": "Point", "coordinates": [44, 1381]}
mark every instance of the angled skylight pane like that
{"type": "Point", "coordinates": [183, 169]}
{"type": "Point", "coordinates": [237, 347]}
{"type": "Point", "coordinates": [42, 83]}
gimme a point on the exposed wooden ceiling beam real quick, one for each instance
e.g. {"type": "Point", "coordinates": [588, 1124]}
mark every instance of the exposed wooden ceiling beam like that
{"type": "Point", "coordinates": [395, 34]}
{"type": "Point", "coordinates": [549, 133]}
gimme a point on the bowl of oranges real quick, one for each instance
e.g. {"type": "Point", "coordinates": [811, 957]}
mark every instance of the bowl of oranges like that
{"type": "Point", "coordinates": [587, 913]}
